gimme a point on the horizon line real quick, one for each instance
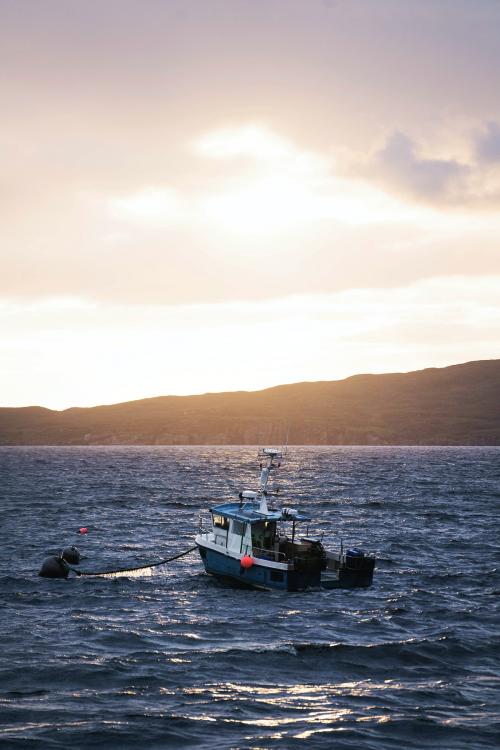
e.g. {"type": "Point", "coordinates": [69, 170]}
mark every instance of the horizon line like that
{"type": "Point", "coordinates": [256, 390]}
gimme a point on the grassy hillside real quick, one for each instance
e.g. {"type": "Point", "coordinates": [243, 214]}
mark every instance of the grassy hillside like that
{"type": "Point", "coordinates": [445, 406]}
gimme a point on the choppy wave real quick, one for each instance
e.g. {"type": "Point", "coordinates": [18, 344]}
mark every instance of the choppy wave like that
{"type": "Point", "coordinates": [177, 659]}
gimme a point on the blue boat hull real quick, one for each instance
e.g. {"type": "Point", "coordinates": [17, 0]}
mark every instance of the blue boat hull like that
{"type": "Point", "coordinates": [258, 576]}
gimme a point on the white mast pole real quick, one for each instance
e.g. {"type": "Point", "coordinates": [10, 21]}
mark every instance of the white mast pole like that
{"type": "Point", "coordinates": [270, 454]}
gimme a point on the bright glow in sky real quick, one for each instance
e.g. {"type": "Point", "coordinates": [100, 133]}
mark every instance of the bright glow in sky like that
{"type": "Point", "coordinates": [151, 207]}
{"type": "Point", "coordinates": [181, 215]}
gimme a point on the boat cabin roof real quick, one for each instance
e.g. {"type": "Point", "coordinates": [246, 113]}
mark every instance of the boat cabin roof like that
{"type": "Point", "coordinates": [250, 513]}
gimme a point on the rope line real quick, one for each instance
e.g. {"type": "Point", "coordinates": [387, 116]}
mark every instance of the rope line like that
{"type": "Point", "coordinates": [131, 570]}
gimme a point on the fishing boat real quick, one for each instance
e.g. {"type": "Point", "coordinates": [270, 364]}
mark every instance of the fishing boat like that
{"type": "Point", "coordinates": [256, 545]}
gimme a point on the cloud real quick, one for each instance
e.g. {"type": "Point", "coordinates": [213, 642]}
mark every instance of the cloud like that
{"type": "Point", "coordinates": [153, 206]}
{"type": "Point", "coordinates": [275, 218]}
{"type": "Point", "coordinates": [470, 183]}
{"type": "Point", "coordinates": [254, 141]}
{"type": "Point", "coordinates": [488, 143]}
{"type": "Point", "coordinates": [400, 165]}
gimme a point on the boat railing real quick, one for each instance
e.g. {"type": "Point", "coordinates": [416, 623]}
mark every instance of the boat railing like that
{"type": "Point", "coordinates": [204, 519]}
{"type": "Point", "coordinates": [269, 554]}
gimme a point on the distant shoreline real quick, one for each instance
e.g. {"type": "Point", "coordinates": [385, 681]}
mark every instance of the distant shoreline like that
{"type": "Point", "coordinates": [291, 446]}
{"type": "Point", "coordinates": [457, 405]}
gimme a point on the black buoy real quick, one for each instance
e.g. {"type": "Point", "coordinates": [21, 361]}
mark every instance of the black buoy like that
{"type": "Point", "coordinates": [71, 555]}
{"type": "Point", "coordinates": [54, 567]}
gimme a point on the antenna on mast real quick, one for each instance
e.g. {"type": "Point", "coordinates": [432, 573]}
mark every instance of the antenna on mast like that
{"type": "Point", "coordinates": [285, 447]}
{"type": "Point", "coordinates": [268, 454]}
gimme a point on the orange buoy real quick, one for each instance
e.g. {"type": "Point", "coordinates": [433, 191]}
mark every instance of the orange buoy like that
{"type": "Point", "coordinates": [246, 561]}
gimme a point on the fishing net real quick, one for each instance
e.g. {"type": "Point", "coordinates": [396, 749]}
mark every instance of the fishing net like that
{"type": "Point", "coordinates": [137, 572]}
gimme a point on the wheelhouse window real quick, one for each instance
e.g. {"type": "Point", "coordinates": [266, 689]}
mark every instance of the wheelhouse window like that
{"type": "Point", "coordinates": [238, 528]}
{"type": "Point", "coordinates": [220, 522]}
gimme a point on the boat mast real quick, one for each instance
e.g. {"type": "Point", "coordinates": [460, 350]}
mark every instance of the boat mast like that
{"type": "Point", "coordinates": [269, 454]}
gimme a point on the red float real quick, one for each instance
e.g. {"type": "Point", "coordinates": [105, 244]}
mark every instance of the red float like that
{"type": "Point", "coordinates": [83, 530]}
{"type": "Point", "coordinates": [246, 561]}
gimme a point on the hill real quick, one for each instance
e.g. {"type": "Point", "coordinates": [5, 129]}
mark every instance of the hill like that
{"type": "Point", "coordinates": [457, 405]}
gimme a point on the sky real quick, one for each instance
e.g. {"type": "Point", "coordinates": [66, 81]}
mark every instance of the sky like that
{"type": "Point", "coordinates": [212, 195]}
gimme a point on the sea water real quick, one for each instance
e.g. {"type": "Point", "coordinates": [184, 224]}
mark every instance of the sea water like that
{"type": "Point", "coordinates": [179, 659]}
